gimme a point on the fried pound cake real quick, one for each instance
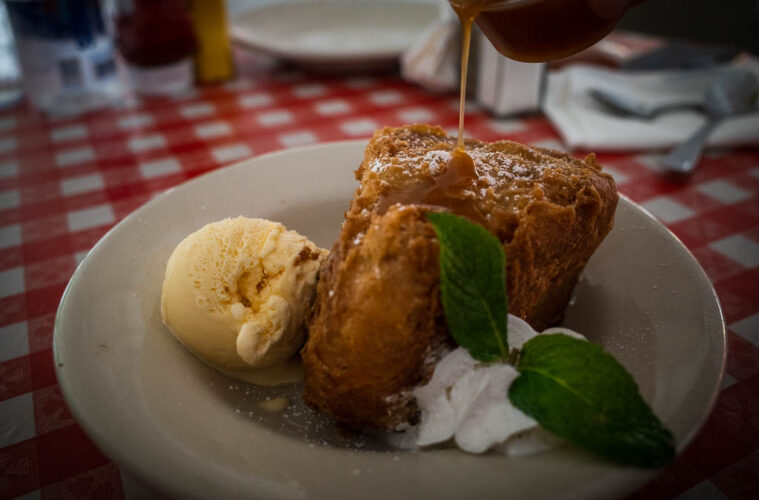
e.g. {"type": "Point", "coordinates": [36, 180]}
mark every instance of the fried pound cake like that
{"type": "Point", "coordinates": [377, 327]}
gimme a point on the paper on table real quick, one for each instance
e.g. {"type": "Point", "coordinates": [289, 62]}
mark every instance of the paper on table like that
{"type": "Point", "coordinates": [502, 86]}
{"type": "Point", "coordinates": [432, 60]}
{"type": "Point", "coordinates": [583, 123]}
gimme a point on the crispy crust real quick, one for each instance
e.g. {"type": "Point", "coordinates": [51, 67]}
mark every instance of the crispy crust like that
{"type": "Point", "coordinates": [377, 324]}
{"type": "Point", "coordinates": [377, 327]}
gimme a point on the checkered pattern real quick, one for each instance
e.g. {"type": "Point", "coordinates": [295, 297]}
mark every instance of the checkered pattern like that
{"type": "Point", "coordinates": [64, 183]}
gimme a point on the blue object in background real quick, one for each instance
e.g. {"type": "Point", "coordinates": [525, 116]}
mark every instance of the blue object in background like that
{"type": "Point", "coordinates": [66, 56]}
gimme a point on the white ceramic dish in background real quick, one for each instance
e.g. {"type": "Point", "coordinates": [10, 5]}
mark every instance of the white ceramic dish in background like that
{"type": "Point", "coordinates": [191, 433]}
{"type": "Point", "coordinates": [334, 34]}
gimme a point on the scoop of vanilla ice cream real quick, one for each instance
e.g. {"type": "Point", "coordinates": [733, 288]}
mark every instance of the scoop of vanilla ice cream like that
{"type": "Point", "coordinates": [236, 292]}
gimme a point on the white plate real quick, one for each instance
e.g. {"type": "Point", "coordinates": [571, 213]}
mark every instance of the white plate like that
{"type": "Point", "coordinates": [334, 34]}
{"type": "Point", "coordinates": [179, 426]}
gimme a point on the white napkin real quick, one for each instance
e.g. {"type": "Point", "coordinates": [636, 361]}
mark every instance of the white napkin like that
{"type": "Point", "coordinates": [583, 123]}
{"type": "Point", "coordinates": [432, 60]}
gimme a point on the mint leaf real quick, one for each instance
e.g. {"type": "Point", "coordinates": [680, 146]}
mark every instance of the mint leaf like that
{"type": "Point", "coordinates": [472, 285]}
{"type": "Point", "coordinates": [579, 392]}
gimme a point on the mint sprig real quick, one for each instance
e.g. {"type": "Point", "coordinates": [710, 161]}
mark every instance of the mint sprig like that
{"type": "Point", "coordinates": [569, 386]}
{"type": "Point", "coordinates": [472, 286]}
{"type": "Point", "coordinates": [581, 393]}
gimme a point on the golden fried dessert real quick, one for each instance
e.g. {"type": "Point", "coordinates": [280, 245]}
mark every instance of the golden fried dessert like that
{"type": "Point", "coordinates": [377, 327]}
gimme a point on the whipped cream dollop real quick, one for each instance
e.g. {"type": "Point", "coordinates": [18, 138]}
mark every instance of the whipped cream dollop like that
{"type": "Point", "coordinates": [469, 401]}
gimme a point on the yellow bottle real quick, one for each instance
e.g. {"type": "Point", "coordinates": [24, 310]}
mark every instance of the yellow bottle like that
{"type": "Point", "coordinates": [213, 59]}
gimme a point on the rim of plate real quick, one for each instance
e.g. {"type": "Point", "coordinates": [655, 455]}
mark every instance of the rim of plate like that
{"type": "Point", "coordinates": [167, 486]}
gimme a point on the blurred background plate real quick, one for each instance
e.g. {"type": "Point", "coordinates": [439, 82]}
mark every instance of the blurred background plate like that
{"type": "Point", "coordinates": [333, 34]}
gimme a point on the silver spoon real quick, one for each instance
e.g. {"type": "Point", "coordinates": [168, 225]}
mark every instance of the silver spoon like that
{"type": "Point", "coordinates": [731, 93]}
{"type": "Point", "coordinates": [629, 106]}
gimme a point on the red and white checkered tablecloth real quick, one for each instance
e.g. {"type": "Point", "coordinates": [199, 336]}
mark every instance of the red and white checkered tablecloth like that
{"type": "Point", "coordinates": [64, 183]}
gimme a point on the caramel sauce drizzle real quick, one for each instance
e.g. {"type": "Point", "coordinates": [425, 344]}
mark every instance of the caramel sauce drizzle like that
{"type": "Point", "coordinates": [448, 190]}
{"type": "Point", "coordinates": [466, 18]}
{"type": "Point", "coordinates": [523, 30]}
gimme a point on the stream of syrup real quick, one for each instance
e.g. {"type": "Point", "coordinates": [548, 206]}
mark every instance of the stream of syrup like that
{"type": "Point", "coordinates": [449, 189]}
{"type": "Point", "coordinates": [466, 18]}
{"type": "Point", "coordinates": [529, 31]}
{"type": "Point", "coordinates": [526, 30]}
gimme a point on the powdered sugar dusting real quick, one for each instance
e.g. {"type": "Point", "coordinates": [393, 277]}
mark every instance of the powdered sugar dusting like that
{"type": "Point", "coordinates": [437, 161]}
{"type": "Point", "coordinates": [434, 160]}
{"type": "Point", "coordinates": [377, 165]}
{"type": "Point", "coordinates": [494, 168]}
